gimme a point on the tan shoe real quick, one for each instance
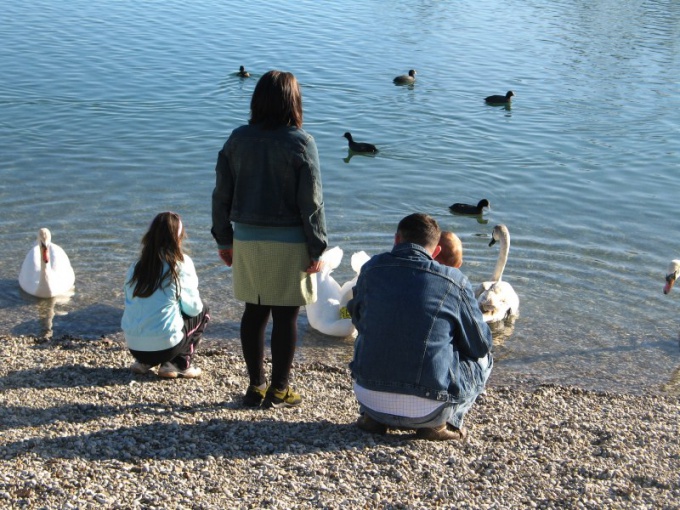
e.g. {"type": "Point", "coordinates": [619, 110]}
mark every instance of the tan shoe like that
{"type": "Point", "coordinates": [169, 370]}
{"type": "Point", "coordinates": [444, 433]}
{"type": "Point", "coordinates": [140, 368]}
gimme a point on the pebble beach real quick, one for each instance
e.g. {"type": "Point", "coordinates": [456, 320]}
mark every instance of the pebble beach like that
{"type": "Point", "coordinates": [78, 430]}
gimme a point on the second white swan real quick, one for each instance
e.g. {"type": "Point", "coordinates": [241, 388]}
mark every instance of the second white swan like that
{"type": "Point", "coordinates": [671, 275]}
{"type": "Point", "coordinates": [496, 298]}
{"type": "Point", "coordinates": [325, 315]}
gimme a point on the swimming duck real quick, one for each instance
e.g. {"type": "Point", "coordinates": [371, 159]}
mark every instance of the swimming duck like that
{"type": "Point", "coordinates": [243, 73]}
{"type": "Point", "coordinates": [497, 299]}
{"type": "Point", "coordinates": [470, 209]}
{"type": "Point", "coordinates": [360, 147]}
{"type": "Point", "coordinates": [672, 274]}
{"type": "Point", "coordinates": [406, 79]}
{"type": "Point", "coordinates": [498, 99]}
{"type": "Point", "coordinates": [328, 314]}
{"type": "Point", "coordinates": [46, 271]}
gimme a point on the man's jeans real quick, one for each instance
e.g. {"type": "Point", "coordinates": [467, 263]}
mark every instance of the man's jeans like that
{"type": "Point", "coordinates": [452, 413]}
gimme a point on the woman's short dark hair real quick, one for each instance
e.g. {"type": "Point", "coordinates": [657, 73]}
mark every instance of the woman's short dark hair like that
{"type": "Point", "coordinates": [276, 101]}
{"type": "Point", "coordinates": [421, 229]}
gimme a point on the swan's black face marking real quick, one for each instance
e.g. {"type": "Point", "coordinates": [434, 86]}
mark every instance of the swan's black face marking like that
{"type": "Point", "coordinates": [670, 278]}
{"type": "Point", "coordinates": [492, 242]}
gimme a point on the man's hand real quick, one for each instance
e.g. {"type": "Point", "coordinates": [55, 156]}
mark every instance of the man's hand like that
{"type": "Point", "coordinates": [227, 256]}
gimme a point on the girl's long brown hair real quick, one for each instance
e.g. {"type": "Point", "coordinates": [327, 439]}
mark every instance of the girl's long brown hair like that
{"type": "Point", "coordinates": [161, 243]}
{"type": "Point", "coordinates": [276, 101]}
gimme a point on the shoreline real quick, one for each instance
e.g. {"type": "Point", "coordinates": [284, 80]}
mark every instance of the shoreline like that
{"type": "Point", "coordinates": [79, 430]}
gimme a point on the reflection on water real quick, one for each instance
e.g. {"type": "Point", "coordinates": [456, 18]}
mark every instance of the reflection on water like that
{"type": "Point", "coordinates": [673, 385]}
{"type": "Point", "coordinates": [351, 154]}
{"type": "Point", "coordinates": [47, 309]}
{"type": "Point", "coordinates": [502, 330]}
{"type": "Point", "coordinates": [479, 217]}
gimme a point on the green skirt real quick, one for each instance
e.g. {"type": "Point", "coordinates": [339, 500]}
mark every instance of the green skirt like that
{"type": "Point", "coordinates": [272, 273]}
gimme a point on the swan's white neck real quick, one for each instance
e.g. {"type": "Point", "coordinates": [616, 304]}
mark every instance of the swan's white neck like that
{"type": "Point", "coordinates": [44, 282]}
{"type": "Point", "coordinates": [504, 242]}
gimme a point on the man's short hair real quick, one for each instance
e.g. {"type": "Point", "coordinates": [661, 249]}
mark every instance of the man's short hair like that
{"type": "Point", "coordinates": [419, 228]}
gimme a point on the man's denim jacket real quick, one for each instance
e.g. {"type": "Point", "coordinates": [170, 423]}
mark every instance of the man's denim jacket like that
{"type": "Point", "coordinates": [418, 321]}
{"type": "Point", "coordinates": [269, 178]}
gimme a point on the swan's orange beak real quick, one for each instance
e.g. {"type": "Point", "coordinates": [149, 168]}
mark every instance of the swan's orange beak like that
{"type": "Point", "coordinates": [45, 253]}
{"type": "Point", "coordinates": [670, 280]}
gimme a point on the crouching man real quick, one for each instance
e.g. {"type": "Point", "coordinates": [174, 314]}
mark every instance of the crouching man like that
{"type": "Point", "coordinates": [423, 351]}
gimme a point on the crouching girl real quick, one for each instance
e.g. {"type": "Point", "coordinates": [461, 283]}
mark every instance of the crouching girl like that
{"type": "Point", "coordinates": [164, 316]}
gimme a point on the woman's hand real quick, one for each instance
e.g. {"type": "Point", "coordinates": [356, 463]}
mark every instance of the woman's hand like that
{"type": "Point", "coordinates": [227, 256]}
{"type": "Point", "coordinates": [314, 266]}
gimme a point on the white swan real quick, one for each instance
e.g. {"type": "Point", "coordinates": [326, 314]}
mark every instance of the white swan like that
{"type": "Point", "coordinates": [671, 275]}
{"type": "Point", "coordinates": [46, 271]}
{"type": "Point", "coordinates": [497, 299]}
{"type": "Point", "coordinates": [324, 315]}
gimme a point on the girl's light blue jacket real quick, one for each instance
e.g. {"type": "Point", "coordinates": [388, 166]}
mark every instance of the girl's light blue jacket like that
{"type": "Point", "coordinates": [155, 323]}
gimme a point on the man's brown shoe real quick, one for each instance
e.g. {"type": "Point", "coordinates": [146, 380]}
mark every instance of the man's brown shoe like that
{"type": "Point", "coordinates": [444, 433]}
{"type": "Point", "coordinates": [368, 424]}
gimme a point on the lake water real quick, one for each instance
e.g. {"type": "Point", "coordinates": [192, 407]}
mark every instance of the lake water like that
{"type": "Point", "coordinates": [113, 111]}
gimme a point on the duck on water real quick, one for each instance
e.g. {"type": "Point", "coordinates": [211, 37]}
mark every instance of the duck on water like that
{"type": "Point", "coordinates": [359, 146]}
{"type": "Point", "coordinates": [406, 79]}
{"type": "Point", "coordinates": [498, 99]}
{"type": "Point", "coordinates": [475, 210]}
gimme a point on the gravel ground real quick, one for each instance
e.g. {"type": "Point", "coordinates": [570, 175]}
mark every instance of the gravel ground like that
{"type": "Point", "coordinates": [78, 430]}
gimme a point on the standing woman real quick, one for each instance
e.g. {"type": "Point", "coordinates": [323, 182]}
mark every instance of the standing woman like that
{"type": "Point", "coordinates": [268, 221]}
{"type": "Point", "coordinates": [164, 316]}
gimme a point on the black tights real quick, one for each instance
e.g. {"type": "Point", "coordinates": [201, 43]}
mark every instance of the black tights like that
{"type": "Point", "coordinates": [284, 338]}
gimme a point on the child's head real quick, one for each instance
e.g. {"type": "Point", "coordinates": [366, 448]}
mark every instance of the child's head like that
{"type": "Point", "coordinates": [165, 234]}
{"type": "Point", "coordinates": [451, 253]}
{"type": "Point", "coordinates": [162, 243]}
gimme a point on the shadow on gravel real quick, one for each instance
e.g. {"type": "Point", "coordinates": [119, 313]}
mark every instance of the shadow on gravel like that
{"type": "Point", "coordinates": [118, 425]}
{"type": "Point", "coordinates": [20, 416]}
{"type": "Point", "coordinates": [224, 438]}
{"type": "Point", "coordinates": [66, 376]}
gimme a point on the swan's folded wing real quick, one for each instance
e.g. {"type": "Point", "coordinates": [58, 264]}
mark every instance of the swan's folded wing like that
{"type": "Point", "coordinates": [29, 275]}
{"type": "Point", "coordinates": [331, 259]}
{"type": "Point", "coordinates": [60, 262]}
{"type": "Point", "coordinates": [359, 259]}
{"type": "Point", "coordinates": [482, 288]}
